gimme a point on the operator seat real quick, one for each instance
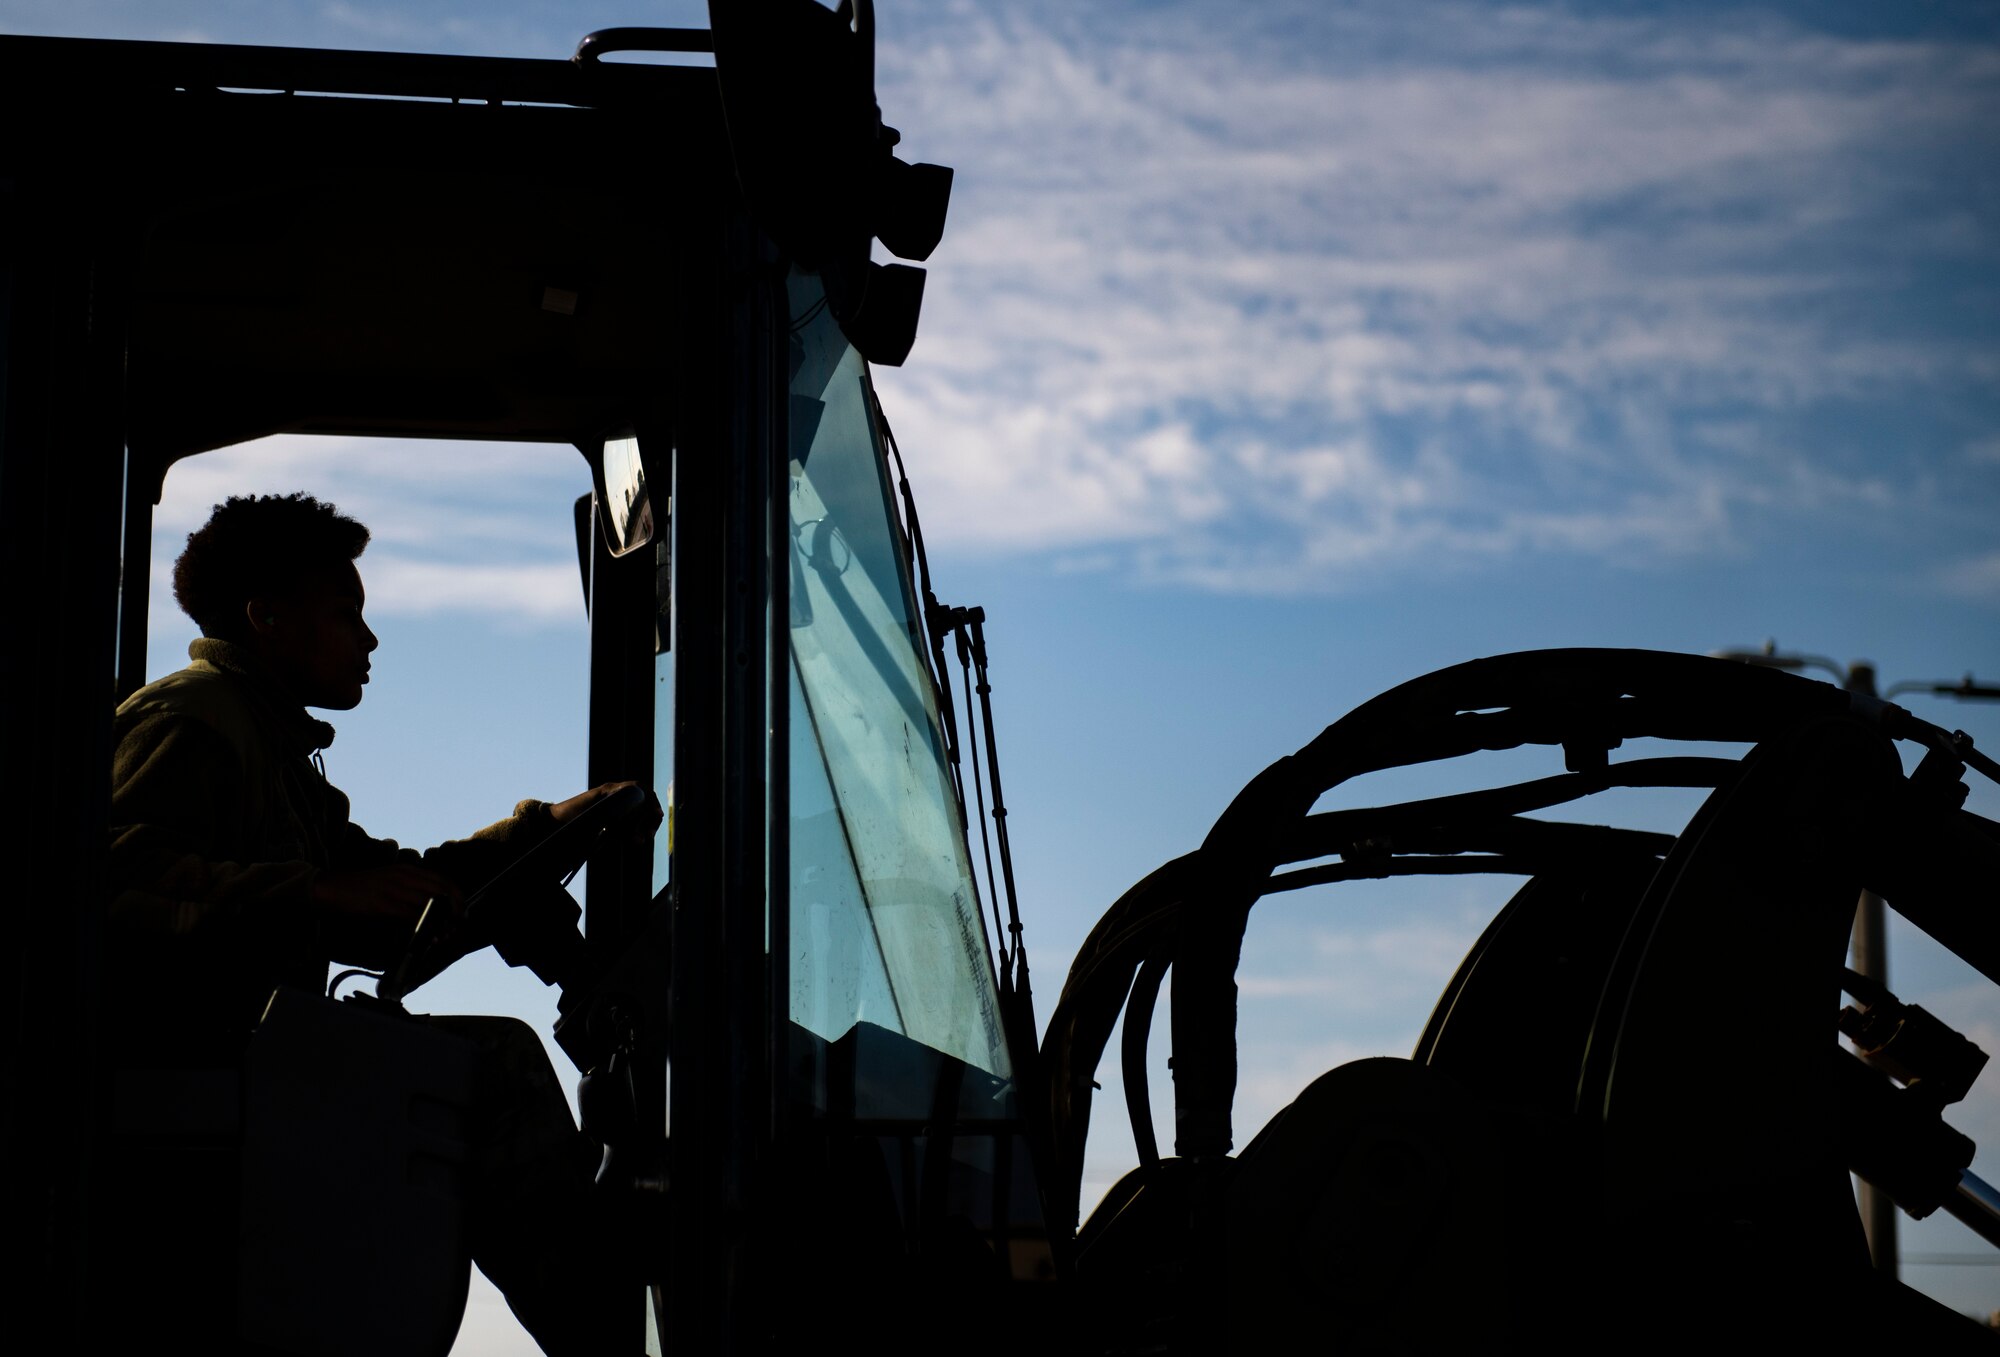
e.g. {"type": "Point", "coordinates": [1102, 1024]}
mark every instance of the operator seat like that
{"type": "Point", "coordinates": [308, 1203]}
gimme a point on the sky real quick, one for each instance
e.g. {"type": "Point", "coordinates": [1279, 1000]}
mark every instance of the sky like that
{"type": "Point", "coordinates": [1277, 353]}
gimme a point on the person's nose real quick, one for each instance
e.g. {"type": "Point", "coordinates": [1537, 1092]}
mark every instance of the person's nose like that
{"type": "Point", "coordinates": [370, 641]}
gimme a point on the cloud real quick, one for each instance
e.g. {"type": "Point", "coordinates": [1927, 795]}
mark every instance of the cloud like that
{"type": "Point", "coordinates": [395, 25]}
{"type": "Point", "coordinates": [1358, 969]}
{"type": "Point", "coordinates": [455, 527]}
{"type": "Point", "coordinates": [1295, 299]}
{"type": "Point", "coordinates": [539, 592]}
{"type": "Point", "coordinates": [1976, 577]}
{"type": "Point", "coordinates": [1275, 1075]}
{"type": "Point", "coordinates": [1256, 308]}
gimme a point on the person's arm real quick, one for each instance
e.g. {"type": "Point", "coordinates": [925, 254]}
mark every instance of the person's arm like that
{"type": "Point", "coordinates": [472, 862]}
{"type": "Point", "coordinates": [177, 796]}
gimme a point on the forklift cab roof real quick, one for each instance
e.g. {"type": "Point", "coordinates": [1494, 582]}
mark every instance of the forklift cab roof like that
{"type": "Point", "coordinates": [461, 247]}
{"type": "Point", "coordinates": [374, 243]}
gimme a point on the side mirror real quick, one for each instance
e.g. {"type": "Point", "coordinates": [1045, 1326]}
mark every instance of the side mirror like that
{"type": "Point", "coordinates": [625, 510]}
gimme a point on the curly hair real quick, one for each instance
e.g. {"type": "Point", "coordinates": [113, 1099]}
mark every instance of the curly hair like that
{"type": "Point", "coordinates": [251, 548]}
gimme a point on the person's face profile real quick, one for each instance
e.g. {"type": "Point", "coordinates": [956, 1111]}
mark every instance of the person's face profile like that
{"type": "Point", "coordinates": [315, 639]}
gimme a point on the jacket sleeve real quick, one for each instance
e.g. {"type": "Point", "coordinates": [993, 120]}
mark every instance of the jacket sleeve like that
{"type": "Point", "coordinates": [471, 862]}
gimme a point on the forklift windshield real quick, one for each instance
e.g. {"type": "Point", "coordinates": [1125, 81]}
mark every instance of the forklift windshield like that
{"type": "Point", "coordinates": [885, 920]}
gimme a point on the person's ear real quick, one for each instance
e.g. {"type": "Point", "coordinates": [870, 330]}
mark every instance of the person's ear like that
{"type": "Point", "coordinates": [262, 615]}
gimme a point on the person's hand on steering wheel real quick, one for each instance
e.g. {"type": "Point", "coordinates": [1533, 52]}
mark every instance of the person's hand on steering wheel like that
{"type": "Point", "coordinates": [523, 910]}
{"type": "Point", "coordinates": [562, 812]}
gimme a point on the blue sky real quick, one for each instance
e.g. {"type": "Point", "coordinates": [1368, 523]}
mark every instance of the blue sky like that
{"type": "Point", "coordinates": [1279, 352]}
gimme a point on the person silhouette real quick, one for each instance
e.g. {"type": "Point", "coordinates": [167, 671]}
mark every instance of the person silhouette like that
{"type": "Point", "coordinates": [235, 869]}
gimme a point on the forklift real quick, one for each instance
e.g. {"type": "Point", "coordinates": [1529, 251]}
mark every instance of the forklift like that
{"type": "Point", "coordinates": [667, 268]}
{"type": "Point", "coordinates": [806, 1029]}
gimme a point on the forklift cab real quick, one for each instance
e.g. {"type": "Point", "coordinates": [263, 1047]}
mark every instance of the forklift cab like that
{"type": "Point", "coordinates": [664, 268]}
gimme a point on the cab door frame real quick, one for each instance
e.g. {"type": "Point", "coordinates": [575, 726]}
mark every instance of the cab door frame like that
{"type": "Point", "coordinates": [63, 480]}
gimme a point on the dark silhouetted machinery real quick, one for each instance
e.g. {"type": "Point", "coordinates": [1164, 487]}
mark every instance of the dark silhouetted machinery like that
{"type": "Point", "coordinates": [1629, 1118]}
{"type": "Point", "coordinates": [667, 268]}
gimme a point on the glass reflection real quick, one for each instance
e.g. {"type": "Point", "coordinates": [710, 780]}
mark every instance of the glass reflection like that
{"type": "Point", "coordinates": [622, 499]}
{"type": "Point", "coordinates": [885, 927]}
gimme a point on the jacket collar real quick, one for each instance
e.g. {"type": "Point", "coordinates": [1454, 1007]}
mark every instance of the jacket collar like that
{"type": "Point", "coordinates": [301, 733]}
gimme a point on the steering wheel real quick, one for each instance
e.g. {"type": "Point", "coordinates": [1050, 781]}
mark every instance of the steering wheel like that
{"type": "Point", "coordinates": [558, 856]}
{"type": "Point", "coordinates": [524, 908]}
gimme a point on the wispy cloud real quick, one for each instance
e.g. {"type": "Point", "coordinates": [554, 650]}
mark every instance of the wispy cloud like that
{"type": "Point", "coordinates": [1360, 969]}
{"type": "Point", "coordinates": [1256, 307]}
{"type": "Point", "coordinates": [1977, 577]}
{"type": "Point", "coordinates": [396, 25]}
{"type": "Point", "coordinates": [455, 527]}
{"type": "Point", "coordinates": [536, 593]}
{"type": "Point", "coordinates": [1294, 295]}
{"type": "Point", "coordinates": [1277, 1074]}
